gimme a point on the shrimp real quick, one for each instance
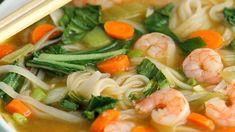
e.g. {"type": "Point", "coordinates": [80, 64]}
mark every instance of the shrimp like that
{"type": "Point", "coordinates": [219, 112]}
{"type": "Point", "coordinates": [172, 107]}
{"type": "Point", "coordinates": [158, 46]}
{"type": "Point", "coordinates": [119, 126]}
{"type": "Point", "coordinates": [204, 65]}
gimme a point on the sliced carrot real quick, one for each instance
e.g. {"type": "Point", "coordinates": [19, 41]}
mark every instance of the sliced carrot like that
{"type": "Point", "coordinates": [16, 106]}
{"type": "Point", "coordinates": [226, 129]}
{"type": "Point", "coordinates": [119, 30]}
{"type": "Point", "coordinates": [103, 120]}
{"type": "Point", "coordinates": [42, 30]}
{"type": "Point", "coordinates": [5, 49]}
{"type": "Point", "coordinates": [212, 39]}
{"type": "Point", "coordinates": [142, 129]}
{"type": "Point", "coordinates": [201, 121]}
{"type": "Point", "coordinates": [115, 64]}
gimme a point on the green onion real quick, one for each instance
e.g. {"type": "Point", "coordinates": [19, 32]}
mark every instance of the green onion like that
{"type": "Point", "coordinates": [96, 38]}
{"type": "Point", "coordinates": [69, 105]}
{"type": "Point", "coordinates": [20, 119]}
{"type": "Point", "coordinates": [135, 53]}
{"type": "Point", "coordinates": [38, 94]}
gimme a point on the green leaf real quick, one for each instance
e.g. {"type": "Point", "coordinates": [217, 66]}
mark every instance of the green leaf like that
{"type": "Point", "coordinates": [78, 21]}
{"type": "Point", "coordinates": [229, 15]}
{"type": "Point", "coordinates": [192, 44]}
{"type": "Point", "coordinates": [69, 105]}
{"type": "Point", "coordinates": [97, 105]}
{"type": "Point", "coordinates": [159, 21]}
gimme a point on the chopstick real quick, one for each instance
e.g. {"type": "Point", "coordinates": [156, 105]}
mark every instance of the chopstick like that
{"type": "Point", "coordinates": [27, 15]}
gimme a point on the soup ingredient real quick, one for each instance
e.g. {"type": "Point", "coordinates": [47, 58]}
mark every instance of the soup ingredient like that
{"type": "Point", "coordinates": [157, 45]}
{"type": "Point", "coordinates": [96, 38]}
{"type": "Point", "coordinates": [192, 44]}
{"type": "Point", "coordinates": [226, 129]}
{"type": "Point", "coordinates": [119, 126]}
{"type": "Point", "coordinates": [15, 81]}
{"type": "Point", "coordinates": [219, 112]}
{"type": "Point", "coordinates": [126, 11]}
{"type": "Point", "coordinates": [41, 31]}
{"type": "Point", "coordinates": [97, 105]}
{"type": "Point", "coordinates": [18, 107]}
{"type": "Point", "coordinates": [19, 118]}
{"type": "Point", "coordinates": [232, 45]}
{"type": "Point", "coordinates": [114, 65]}
{"type": "Point", "coordinates": [212, 39]}
{"type": "Point", "coordinates": [172, 107]}
{"type": "Point", "coordinates": [38, 94]}
{"type": "Point", "coordinates": [14, 56]}
{"type": "Point", "coordinates": [204, 65]}
{"type": "Point", "coordinates": [135, 53]}
{"type": "Point", "coordinates": [142, 129]}
{"type": "Point", "coordinates": [201, 120]}
{"type": "Point", "coordinates": [55, 95]}
{"type": "Point", "coordinates": [69, 105]}
{"type": "Point", "coordinates": [159, 21]}
{"type": "Point", "coordinates": [5, 49]}
{"type": "Point", "coordinates": [104, 119]}
{"type": "Point", "coordinates": [62, 115]}
{"type": "Point", "coordinates": [119, 30]}
{"type": "Point", "coordinates": [77, 22]}
{"type": "Point", "coordinates": [58, 68]}
{"type": "Point", "coordinates": [229, 15]}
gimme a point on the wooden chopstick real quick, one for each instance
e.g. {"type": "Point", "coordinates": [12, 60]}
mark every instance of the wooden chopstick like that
{"type": "Point", "coordinates": [27, 15]}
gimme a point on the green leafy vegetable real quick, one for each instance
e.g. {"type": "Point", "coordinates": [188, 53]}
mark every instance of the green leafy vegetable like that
{"type": "Point", "coordinates": [96, 38]}
{"type": "Point", "coordinates": [157, 80]}
{"type": "Point", "coordinates": [135, 53]}
{"type": "Point", "coordinates": [97, 105]}
{"type": "Point", "coordinates": [192, 44]}
{"type": "Point", "coordinates": [78, 21]}
{"type": "Point", "coordinates": [229, 15]}
{"type": "Point", "coordinates": [69, 105]}
{"type": "Point", "coordinates": [232, 45]}
{"type": "Point", "coordinates": [15, 81]}
{"type": "Point", "coordinates": [53, 49]}
{"type": "Point", "coordinates": [159, 21]}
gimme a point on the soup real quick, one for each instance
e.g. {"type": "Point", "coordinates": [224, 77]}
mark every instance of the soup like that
{"type": "Point", "coordinates": [123, 66]}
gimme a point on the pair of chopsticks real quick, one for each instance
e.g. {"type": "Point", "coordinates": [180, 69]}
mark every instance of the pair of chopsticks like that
{"type": "Point", "coordinates": [27, 15]}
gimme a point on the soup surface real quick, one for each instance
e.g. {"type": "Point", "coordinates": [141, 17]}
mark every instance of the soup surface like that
{"type": "Point", "coordinates": [123, 66]}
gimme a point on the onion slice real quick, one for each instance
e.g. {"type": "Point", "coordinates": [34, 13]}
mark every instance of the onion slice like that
{"type": "Point", "coordinates": [44, 108]}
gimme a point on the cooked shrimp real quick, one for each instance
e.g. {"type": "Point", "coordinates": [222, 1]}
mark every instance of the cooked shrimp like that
{"type": "Point", "coordinates": [157, 45]}
{"type": "Point", "coordinates": [219, 112]}
{"type": "Point", "coordinates": [204, 65]}
{"type": "Point", "coordinates": [119, 126]}
{"type": "Point", "coordinates": [172, 107]}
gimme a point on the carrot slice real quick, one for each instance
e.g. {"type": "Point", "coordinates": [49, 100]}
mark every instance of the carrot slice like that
{"type": "Point", "coordinates": [201, 121]}
{"type": "Point", "coordinates": [226, 129]}
{"type": "Point", "coordinates": [115, 64]}
{"type": "Point", "coordinates": [212, 39]}
{"type": "Point", "coordinates": [104, 119]}
{"type": "Point", "coordinates": [5, 49]}
{"type": "Point", "coordinates": [42, 30]}
{"type": "Point", "coordinates": [119, 30]}
{"type": "Point", "coordinates": [142, 129]}
{"type": "Point", "coordinates": [16, 106]}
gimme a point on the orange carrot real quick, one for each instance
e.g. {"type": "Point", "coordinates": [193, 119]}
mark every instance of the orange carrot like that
{"type": "Point", "coordinates": [5, 49]}
{"type": "Point", "coordinates": [142, 129]}
{"type": "Point", "coordinates": [115, 64]}
{"type": "Point", "coordinates": [201, 121]}
{"type": "Point", "coordinates": [42, 30]}
{"type": "Point", "coordinates": [212, 39]}
{"type": "Point", "coordinates": [226, 129]}
{"type": "Point", "coordinates": [119, 30]}
{"type": "Point", "coordinates": [103, 120]}
{"type": "Point", "coordinates": [16, 106]}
